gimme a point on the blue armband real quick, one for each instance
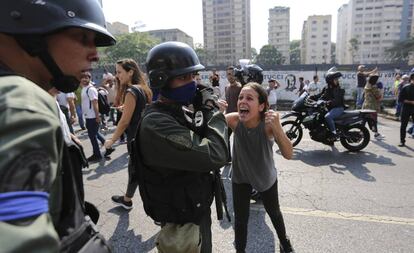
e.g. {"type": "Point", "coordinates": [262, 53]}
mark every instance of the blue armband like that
{"type": "Point", "coordinates": [23, 204]}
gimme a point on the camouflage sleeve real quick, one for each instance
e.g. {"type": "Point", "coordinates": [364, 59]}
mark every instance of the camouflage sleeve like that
{"type": "Point", "coordinates": [167, 144]}
{"type": "Point", "coordinates": [30, 148]}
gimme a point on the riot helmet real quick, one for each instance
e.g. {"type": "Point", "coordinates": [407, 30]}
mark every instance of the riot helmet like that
{"type": "Point", "coordinates": [29, 21]}
{"type": "Point", "coordinates": [331, 75]}
{"type": "Point", "coordinates": [168, 60]}
{"type": "Point", "coordinates": [249, 73]}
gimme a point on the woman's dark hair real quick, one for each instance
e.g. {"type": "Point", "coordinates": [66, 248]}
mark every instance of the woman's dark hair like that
{"type": "Point", "coordinates": [262, 96]}
{"type": "Point", "coordinates": [137, 76]}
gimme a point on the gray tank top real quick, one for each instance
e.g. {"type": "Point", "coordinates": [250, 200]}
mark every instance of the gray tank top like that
{"type": "Point", "coordinates": [253, 157]}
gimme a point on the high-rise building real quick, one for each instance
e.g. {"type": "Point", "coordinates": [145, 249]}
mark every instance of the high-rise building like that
{"type": "Point", "coordinates": [316, 40]}
{"type": "Point", "coordinates": [372, 27]}
{"type": "Point", "coordinates": [342, 43]}
{"type": "Point", "coordinates": [226, 26]}
{"type": "Point", "coordinates": [278, 30]}
{"type": "Point", "coordinates": [172, 35]}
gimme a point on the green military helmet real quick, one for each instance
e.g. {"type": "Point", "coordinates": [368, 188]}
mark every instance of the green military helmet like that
{"type": "Point", "coordinates": [170, 59]}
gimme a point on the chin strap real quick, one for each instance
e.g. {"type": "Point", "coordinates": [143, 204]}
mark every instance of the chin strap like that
{"type": "Point", "coordinates": [36, 46]}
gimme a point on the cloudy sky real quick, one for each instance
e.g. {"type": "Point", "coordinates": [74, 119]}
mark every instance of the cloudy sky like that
{"type": "Point", "coordinates": [186, 15]}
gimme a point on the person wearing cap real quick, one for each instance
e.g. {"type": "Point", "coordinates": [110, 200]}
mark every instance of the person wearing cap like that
{"type": "Point", "coordinates": [271, 93]}
{"type": "Point", "coordinates": [45, 46]}
{"type": "Point", "coordinates": [362, 74]}
{"type": "Point", "coordinates": [181, 150]}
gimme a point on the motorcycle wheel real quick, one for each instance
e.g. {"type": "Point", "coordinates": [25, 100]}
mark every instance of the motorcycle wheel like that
{"type": "Point", "coordinates": [355, 138]}
{"type": "Point", "coordinates": [293, 131]}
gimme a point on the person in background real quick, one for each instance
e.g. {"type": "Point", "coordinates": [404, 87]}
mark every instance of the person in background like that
{"type": "Point", "coordinates": [301, 86]}
{"type": "Point", "coordinates": [373, 95]}
{"type": "Point", "coordinates": [78, 107]}
{"type": "Point", "coordinates": [138, 95]}
{"type": "Point", "coordinates": [333, 94]}
{"type": "Point", "coordinates": [313, 87]}
{"type": "Point", "coordinates": [256, 129]}
{"type": "Point", "coordinates": [362, 74]}
{"type": "Point", "coordinates": [91, 113]}
{"type": "Point", "coordinates": [406, 98]}
{"type": "Point", "coordinates": [405, 79]}
{"type": "Point", "coordinates": [198, 79]}
{"type": "Point", "coordinates": [232, 90]}
{"type": "Point", "coordinates": [109, 85]}
{"type": "Point", "coordinates": [214, 78]}
{"type": "Point", "coordinates": [271, 93]}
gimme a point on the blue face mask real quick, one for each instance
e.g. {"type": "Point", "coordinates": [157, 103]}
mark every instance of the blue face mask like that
{"type": "Point", "coordinates": [183, 95]}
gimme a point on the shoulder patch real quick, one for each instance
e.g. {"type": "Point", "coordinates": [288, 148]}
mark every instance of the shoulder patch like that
{"type": "Point", "coordinates": [29, 171]}
{"type": "Point", "coordinates": [179, 141]}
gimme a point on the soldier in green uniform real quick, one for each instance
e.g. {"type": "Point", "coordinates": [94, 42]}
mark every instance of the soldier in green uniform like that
{"type": "Point", "coordinates": [44, 45]}
{"type": "Point", "coordinates": [180, 149]}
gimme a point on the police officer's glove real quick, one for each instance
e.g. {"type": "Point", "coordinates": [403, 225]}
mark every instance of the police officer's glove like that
{"type": "Point", "coordinates": [206, 100]}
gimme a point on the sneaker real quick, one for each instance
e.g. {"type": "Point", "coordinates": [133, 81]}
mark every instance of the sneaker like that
{"type": "Point", "coordinates": [286, 247]}
{"type": "Point", "coordinates": [108, 152]}
{"type": "Point", "coordinates": [119, 201]}
{"type": "Point", "coordinates": [379, 136]}
{"type": "Point", "coordinates": [402, 144]}
{"type": "Point", "coordinates": [94, 158]}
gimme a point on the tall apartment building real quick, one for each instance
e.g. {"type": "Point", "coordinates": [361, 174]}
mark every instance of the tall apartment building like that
{"type": "Point", "coordinates": [172, 35]}
{"type": "Point", "coordinates": [316, 40]}
{"type": "Point", "coordinates": [117, 28]}
{"type": "Point", "coordinates": [374, 26]}
{"type": "Point", "coordinates": [226, 26]}
{"type": "Point", "coordinates": [278, 30]}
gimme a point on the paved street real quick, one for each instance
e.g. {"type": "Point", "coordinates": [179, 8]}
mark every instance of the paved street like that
{"type": "Point", "coordinates": [332, 200]}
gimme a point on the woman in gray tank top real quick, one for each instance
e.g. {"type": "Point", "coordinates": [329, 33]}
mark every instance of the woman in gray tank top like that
{"type": "Point", "coordinates": [255, 130]}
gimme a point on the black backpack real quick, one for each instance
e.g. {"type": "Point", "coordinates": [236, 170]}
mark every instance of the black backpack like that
{"type": "Point", "coordinates": [103, 104]}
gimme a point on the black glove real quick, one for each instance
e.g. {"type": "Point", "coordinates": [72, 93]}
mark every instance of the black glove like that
{"type": "Point", "coordinates": [205, 99]}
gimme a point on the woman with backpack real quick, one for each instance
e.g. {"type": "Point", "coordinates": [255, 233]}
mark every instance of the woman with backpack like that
{"type": "Point", "coordinates": [137, 95]}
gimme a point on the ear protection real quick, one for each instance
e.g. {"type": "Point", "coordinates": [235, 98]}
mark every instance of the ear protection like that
{"type": "Point", "coordinates": [158, 78]}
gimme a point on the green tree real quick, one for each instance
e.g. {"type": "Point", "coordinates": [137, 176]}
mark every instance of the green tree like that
{"type": "Point", "coordinates": [131, 45]}
{"type": "Point", "coordinates": [253, 54]}
{"type": "Point", "coordinates": [294, 52]}
{"type": "Point", "coordinates": [204, 55]}
{"type": "Point", "coordinates": [269, 56]}
{"type": "Point", "coordinates": [353, 48]}
{"type": "Point", "coordinates": [400, 50]}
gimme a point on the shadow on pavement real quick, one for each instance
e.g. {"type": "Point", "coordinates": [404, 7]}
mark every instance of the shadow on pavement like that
{"type": "Point", "coordinates": [108, 167]}
{"type": "Point", "coordinates": [123, 240]}
{"type": "Point", "coordinates": [391, 148]}
{"type": "Point", "coordinates": [339, 162]}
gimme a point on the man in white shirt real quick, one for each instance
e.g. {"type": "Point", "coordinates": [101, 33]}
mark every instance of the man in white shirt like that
{"type": "Point", "coordinates": [313, 87]}
{"type": "Point", "coordinates": [91, 114]}
{"type": "Point", "coordinates": [271, 93]}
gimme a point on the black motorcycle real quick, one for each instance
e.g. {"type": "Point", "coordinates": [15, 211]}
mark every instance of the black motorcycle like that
{"type": "Point", "coordinates": [350, 126]}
